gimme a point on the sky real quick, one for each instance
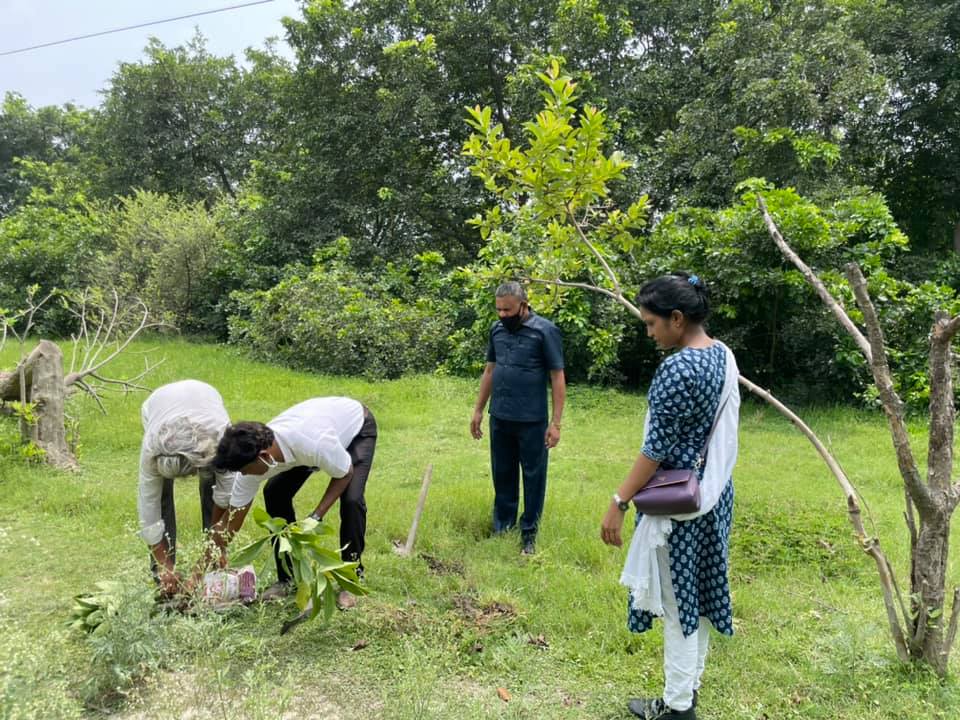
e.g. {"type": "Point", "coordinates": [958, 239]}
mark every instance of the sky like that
{"type": "Point", "coordinates": [74, 72]}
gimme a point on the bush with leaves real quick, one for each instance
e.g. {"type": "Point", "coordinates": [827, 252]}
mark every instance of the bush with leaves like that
{"type": "Point", "coordinates": [125, 639]}
{"type": "Point", "coordinates": [170, 254]}
{"type": "Point", "coordinates": [768, 313]}
{"type": "Point", "coordinates": [129, 637]}
{"type": "Point", "coordinates": [333, 318]}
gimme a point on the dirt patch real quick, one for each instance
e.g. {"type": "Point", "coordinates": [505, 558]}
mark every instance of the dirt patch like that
{"type": "Point", "coordinates": [438, 566]}
{"type": "Point", "coordinates": [483, 615]}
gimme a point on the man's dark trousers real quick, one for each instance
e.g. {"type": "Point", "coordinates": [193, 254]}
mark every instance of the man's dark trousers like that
{"type": "Point", "coordinates": [279, 491]}
{"type": "Point", "coordinates": [515, 445]}
{"type": "Point", "coordinates": [168, 513]}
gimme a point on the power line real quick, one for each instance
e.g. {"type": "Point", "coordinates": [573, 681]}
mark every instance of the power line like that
{"type": "Point", "coordinates": [134, 27]}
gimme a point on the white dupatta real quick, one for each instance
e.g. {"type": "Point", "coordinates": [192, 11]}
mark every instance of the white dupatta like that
{"type": "Point", "coordinates": [641, 572]}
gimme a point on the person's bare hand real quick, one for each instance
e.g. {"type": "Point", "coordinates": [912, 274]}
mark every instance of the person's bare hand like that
{"type": "Point", "coordinates": [612, 526]}
{"type": "Point", "coordinates": [552, 436]}
{"type": "Point", "coordinates": [475, 424]}
{"type": "Point", "coordinates": [170, 583]}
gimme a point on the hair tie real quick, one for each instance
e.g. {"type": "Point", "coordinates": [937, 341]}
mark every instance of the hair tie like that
{"type": "Point", "coordinates": [693, 280]}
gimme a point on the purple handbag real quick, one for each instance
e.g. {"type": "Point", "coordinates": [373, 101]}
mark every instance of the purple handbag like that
{"type": "Point", "coordinates": [670, 492]}
{"type": "Point", "coordinates": [675, 492]}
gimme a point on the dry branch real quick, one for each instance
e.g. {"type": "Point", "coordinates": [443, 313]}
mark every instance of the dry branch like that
{"type": "Point", "coordinates": [97, 344]}
{"type": "Point", "coordinates": [633, 309]}
{"type": "Point", "coordinates": [407, 549]}
{"type": "Point", "coordinates": [596, 253]}
{"type": "Point", "coordinates": [870, 545]}
{"type": "Point", "coordinates": [812, 278]}
{"type": "Point", "coordinates": [934, 500]}
{"type": "Point", "coordinates": [104, 333]}
{"type": "Point", "coordinates": [892, 404]}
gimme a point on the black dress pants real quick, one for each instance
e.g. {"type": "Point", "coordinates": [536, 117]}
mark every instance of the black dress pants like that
{"type": "Point", "coordinates": [515, 445]}
{"type": "Point", "coordinates": [280, 490]}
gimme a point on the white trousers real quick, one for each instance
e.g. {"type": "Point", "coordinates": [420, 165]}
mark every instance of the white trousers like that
{"type": "Point", "coordinates": [683, 657]}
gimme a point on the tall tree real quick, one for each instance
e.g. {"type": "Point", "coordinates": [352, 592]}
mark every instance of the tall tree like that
{"type": "Point", "coordinates": [919, 45]}
{"type": "Point", "coordinates": [176, 122]}
{"type": "Point", "coordinates": [47, 134]}
{"type": "Point", "coordinates": [782, 90]}
{"type": "Point", "coordinates": [371, 142]}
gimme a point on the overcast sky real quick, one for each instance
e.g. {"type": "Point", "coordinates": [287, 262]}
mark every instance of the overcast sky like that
{"type": "Point", "coordinates": [76, 71]}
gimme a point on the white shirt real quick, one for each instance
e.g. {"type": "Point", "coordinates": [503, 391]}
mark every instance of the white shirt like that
{"type": "Point", "coordinates": [316, 434]}
{"type": "Point", "coordinates": [202, 404]}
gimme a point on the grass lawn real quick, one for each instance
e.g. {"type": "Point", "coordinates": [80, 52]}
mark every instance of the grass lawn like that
{"type": "Point", "coordinates": [443, 631]}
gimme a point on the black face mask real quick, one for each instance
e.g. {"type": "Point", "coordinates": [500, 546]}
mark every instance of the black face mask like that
{"type": "Point", "coordinates": [513, 322]}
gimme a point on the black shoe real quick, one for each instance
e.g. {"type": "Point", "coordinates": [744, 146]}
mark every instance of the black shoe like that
{"type": "Point", "coordinates": [655, 709]}
{"type": "Point", "coordinates": [529, 548]}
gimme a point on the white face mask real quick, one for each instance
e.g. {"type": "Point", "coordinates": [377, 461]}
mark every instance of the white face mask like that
{"type": "Point", "coordinates": [267, 459]}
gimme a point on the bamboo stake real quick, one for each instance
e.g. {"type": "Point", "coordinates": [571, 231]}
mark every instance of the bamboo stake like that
{"type": "Point", "coordinates": [407, 549]}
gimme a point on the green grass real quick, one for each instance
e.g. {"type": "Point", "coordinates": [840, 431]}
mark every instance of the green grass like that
{"type": "Point", "coordinates": [442, 631]}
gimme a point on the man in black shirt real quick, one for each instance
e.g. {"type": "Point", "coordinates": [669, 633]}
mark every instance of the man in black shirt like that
{"type": "Point", "coordinates": [524, 350]}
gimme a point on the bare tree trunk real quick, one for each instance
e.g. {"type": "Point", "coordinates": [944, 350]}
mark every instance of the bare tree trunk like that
{"type": "Point", "coordinates": [928, 585]}
{"type": "Point", "coordinates": [10, 382]}
{"type": "Point", "coordinates": [39, 378]}
{"type": "Point", "coordinates": [42, 371]}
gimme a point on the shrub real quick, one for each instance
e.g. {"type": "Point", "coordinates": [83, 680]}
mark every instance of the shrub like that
{"type": "Point", "coordinates": [169, 254]}
{"type": "Point", "coordinates": [336, 319]}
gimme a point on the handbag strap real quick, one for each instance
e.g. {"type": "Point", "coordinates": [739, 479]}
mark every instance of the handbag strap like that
{"type": "Point", "coordinates": [702, 457]}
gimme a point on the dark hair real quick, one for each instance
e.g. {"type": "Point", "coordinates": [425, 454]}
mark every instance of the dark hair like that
{"type": "Point", "coordinates": [240, 445]}
{"type": "Point", "coordinates": [678, 291]}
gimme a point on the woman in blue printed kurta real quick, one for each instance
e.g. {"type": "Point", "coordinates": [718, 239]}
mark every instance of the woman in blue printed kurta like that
{"type": "Point", "coordinates": [684, 398]}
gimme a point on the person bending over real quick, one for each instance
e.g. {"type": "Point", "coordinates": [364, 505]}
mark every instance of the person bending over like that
{"type": "Point", "coordinates": [333, 435]}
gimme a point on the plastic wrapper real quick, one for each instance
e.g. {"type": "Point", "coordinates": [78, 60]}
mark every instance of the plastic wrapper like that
{"type": "Point", "coordinates": [228, 586]}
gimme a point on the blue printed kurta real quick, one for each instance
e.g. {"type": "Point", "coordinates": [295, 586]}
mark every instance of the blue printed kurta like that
{"type": "Point", "coordinates": [683, 400]}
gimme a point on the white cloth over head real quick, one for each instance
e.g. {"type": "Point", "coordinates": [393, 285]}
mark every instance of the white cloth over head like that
{"type": "Point", "coordinates": [201, 404]}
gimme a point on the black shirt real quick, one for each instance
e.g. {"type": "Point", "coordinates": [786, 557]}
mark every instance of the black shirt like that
{"type": "Point", "coordinates": [523, 360]}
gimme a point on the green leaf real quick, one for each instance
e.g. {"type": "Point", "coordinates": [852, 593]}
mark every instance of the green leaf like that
{"type": "Point", "coordinates": [260, 516]}
{"type": "Point", "coordinates": [275, 525]}
{"type": "Point", "coordinates": [303, 594]}
{"type": "Point", "coordinates": [309, 523]}
{"type": "Point", "coordinates": [307, 572]}
{"type": "Point", "coordinates": [329, 602]}
{"type": "Point", "coordinates": [320, 589]}
{"type": "Point", "coordinates": [348, 580]}
{"type": "Point", "coordinates": [248, 553]}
